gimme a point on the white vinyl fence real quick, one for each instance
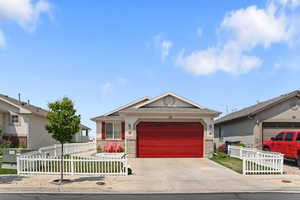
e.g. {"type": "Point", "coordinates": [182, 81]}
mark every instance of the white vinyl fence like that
{"type": "Point", "coordinates": [47, 160]}
{"type": "Point", "coordinates": [36, 163]}
{"type": "Point", "coordinates": [69, 148]}
{"type": "Point", "coordinates": [256, 161]}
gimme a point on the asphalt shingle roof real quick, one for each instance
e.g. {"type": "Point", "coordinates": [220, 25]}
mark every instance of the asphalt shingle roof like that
{"type": "Point", "coordinates": [34, 109]}
{"type": "Point", "coordinates": [251, 110]}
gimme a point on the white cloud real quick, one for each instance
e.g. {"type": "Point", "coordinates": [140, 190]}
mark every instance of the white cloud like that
{"type": "Point", "coordinates": [109, 86]}
{"type": "Point", "coordinates": [165, 48]}
{"type": "Point", "coordinates": [253, 26]}
{"type": "Point", "coordinates": [291, 3]}
{"type": "Point", "coordinates": [199, 32]}
{"type": "Point", "coordinates": [163, 45]}
{"type": "Point", "coordinates": [2, 40]}
{"type": "Point", "coordinates": [24, 12]}
{"type": "Point", "coordinates": [106, 88]}
{"type": "Point", "coordinates": [229, 59]}
{"type": "Point", "coordinates": [243, 30]}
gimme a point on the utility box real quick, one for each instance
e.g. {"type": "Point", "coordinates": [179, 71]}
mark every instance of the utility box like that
{"type": "Point", "coordinates": [9, 160]}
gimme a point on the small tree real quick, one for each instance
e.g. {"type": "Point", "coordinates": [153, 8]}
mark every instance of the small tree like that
{"type": "Point", "coordinates": [63, 123]}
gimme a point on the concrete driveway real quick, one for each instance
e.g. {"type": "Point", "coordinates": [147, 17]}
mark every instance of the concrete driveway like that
{"type": "Point", "coordinates": [158, 176]}
{"type": "Point", "coordinates": [178, 175]}
{"type": "Point", "coordinates": [192, 175]}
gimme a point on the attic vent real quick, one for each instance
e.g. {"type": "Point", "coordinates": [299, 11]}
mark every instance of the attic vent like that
{"type": "Point", "coordinates": [169, 101]}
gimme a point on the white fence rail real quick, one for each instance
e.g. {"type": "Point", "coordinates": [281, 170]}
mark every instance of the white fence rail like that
{"type": "Point", "coordinates": [256, 161]}
{"type": "Point", "coordinates": [69, 148]}
{"type": "Point", "coordinates": [72, 165]}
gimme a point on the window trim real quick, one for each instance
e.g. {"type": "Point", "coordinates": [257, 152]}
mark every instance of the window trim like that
{"type": "Point", "coordinates": [113, 130]}
{"type": "Point", "coordinates": [11, 122]}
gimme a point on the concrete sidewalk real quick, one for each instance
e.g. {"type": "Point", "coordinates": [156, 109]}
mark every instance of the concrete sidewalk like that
{"type": "Point", "coordinates": [158, 176]}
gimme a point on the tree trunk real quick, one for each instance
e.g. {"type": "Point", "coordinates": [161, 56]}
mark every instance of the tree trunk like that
{"type": "Point", "coordinates": [62, 164]}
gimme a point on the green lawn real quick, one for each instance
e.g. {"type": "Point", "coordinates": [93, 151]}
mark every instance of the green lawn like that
{"type": "Point", "coordinates": [7, 171]}
{"type": "Point", "coordinates": [231, 163]}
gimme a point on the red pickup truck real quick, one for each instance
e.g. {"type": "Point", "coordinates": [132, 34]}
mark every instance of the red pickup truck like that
{"type": "Point", "coordinates": [287, 143]}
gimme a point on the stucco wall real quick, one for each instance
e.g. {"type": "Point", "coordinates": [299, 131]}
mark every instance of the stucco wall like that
{"type": "Point", "coordinates": [249, 131]}
{"type": "Point", "coordinates": [19, 129]}
{"type": "Point", "coordinates": [39, 136]}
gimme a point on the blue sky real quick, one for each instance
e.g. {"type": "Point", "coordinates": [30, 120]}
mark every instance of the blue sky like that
{"type": "Point", "coordinates": [104, 54]}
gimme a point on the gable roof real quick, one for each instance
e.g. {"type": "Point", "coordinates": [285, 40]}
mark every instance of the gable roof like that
{"type": "Point", "coordinates": [259, 107]}
{"type": "Point", "coordinates": [169, 94]}
{"type": "Point", "coordinates": [197, 109]}
{"type": "Point", "coordinates": [31, 108]}
{"type": "Point", "coordinates": [138, 107]}
{"type": "Point", "coordinates": [20, 104]}
{"type": "Point", "coordinates": [134, 103]}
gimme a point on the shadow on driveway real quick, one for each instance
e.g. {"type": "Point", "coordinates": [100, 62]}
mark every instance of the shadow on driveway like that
{"type": "Point", "coordinates": [93, 178]}
{"type": "Point", "coordinates": [8, 179]}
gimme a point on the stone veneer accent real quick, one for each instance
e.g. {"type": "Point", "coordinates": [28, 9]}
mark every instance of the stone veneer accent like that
{"type": "Point", "coordinates": [209, 148]}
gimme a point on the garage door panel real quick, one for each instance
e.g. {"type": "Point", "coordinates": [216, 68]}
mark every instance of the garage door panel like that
{"type": "Point", "coordinates": [271, 129]}
{"type": "Point", "coordinates": [170, 139]}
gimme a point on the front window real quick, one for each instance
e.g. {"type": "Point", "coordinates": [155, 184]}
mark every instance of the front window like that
{"type": "Point", "coordinates": [113, 130]}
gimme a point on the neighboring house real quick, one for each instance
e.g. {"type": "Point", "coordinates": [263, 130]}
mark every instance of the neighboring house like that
{"type": "Point", "coordinates": [261, 121]}
{"type": "Point", "coordinates": [165, 126]}
{"type": "Point", "coordinates": [26, 123]}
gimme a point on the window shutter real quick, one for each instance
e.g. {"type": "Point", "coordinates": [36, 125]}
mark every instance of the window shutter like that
{"type": "Point", "coordinates": [123, 130]}
{"type": "Point", "coordinates": [103, 131]}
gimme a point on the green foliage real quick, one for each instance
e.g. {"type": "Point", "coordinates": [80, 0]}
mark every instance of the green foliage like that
{"type": "Point", "coordinates": [225, 160]}
{"type": "Point", "coordinates": [63, 122]}
{"type": "Point", "coordinates": [4, 146]}
{"type": "Point", "coordinates": [241, 145]}
{"type": "Point", "coordinates": [15, 143]}
{"type": "Point", "coordinates": [1, 130]}
{"type": "Point", "coordinates": [99, 150]}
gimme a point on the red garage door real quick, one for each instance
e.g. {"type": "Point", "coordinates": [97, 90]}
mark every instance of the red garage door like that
{"type": "Point", "coordinates": [169, 139]}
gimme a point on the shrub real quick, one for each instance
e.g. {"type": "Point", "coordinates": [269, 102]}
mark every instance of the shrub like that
{"type": "Point", "coordinates": [15, 143]}
{"type": "Point", "coordinates": [241, 145]}
{"type": "Point", "coordinates": [222, 148]}
{"type": "Point", "coordinates": [4, 145]}
{"type": "Point", "coordinates": [99, 149]}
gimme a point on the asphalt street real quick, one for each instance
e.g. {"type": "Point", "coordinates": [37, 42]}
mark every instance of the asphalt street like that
{"type": "Point", "coordinates": [225, 196]}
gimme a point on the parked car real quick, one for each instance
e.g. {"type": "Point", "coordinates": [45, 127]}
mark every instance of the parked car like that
{"type": "Point", "coordinates": [287, 143]}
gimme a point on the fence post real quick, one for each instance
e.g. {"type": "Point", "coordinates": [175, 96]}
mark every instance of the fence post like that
{"type": "Point", "coordinates": [18, 164]}
{"type": "Point", "coordinates": [281, 164]}
{"type": "Point", "coordinates": [244, 166]}
{"type": "Point", "coordinates": [72, 165]}
{"type": "Point", "coordinates": [126, 166]}
{"type": "Point", "coordinates": [241, 152]}
{"type": "Point", "coordinates": [55, 150]}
